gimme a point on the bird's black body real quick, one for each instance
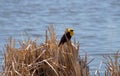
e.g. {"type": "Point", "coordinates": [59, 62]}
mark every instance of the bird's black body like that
{"type": "Point", "coordinates": [66, 37]}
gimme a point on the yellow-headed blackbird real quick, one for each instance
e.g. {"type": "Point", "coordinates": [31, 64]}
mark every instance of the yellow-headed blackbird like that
{"type": "Point", "coordinates": [66, 36]}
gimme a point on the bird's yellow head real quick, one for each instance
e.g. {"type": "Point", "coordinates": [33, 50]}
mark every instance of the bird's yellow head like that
{"type": "Point", "coordinates": [71, 31]}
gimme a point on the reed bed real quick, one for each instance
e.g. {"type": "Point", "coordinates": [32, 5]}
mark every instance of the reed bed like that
{"type": "Point", "coordinates": [112, 65]}
{"type": "Point", "coordinates": [45, 59]}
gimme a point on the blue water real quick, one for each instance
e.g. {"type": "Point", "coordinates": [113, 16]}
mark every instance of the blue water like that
{"type": "Point", "coordinates": [96, 23]}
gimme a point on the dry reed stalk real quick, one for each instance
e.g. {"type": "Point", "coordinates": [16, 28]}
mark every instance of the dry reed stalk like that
{"type": "Point", "coordinates": [45, 59]}
{"type": "Point", "coordinates": [112, 65]}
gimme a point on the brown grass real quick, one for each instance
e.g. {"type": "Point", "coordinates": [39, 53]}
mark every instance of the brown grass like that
{"type": "Point", "coordinates": [112, 65]}
{"type": "Point", "coordinates": [45, 59]}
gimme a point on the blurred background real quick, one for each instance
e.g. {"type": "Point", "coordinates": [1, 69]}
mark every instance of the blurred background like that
{"type": "Point", "coordinates": [96, 24]}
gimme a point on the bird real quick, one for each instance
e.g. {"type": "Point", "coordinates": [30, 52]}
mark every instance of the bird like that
{"type": "Point", "coordinates": [66, 36]}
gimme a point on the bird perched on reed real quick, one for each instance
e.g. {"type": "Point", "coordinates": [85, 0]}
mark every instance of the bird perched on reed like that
{"type": "Point", "coordinates": [66, 36]}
